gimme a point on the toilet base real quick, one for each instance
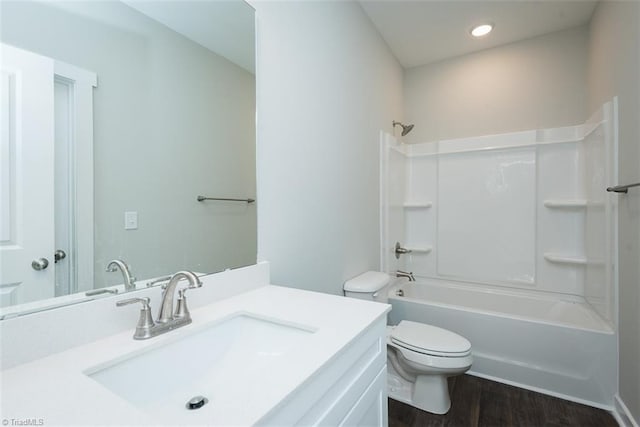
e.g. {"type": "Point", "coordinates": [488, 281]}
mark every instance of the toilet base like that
{"type": "Point", "coordinates": [429, 393]}
{"type": "Point", "coordinates": [398, 388]}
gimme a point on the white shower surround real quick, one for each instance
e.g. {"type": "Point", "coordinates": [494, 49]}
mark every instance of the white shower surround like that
{"type": "Point", "coordinates": [525, 214]}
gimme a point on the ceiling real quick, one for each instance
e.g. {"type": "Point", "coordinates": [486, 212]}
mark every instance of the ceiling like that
{"type": "Point", "coordinates": [425, 31]}
{"type": "Point", "coordinates": [225, 27]}
{"type": "Point", "coordinates": [417, 31]}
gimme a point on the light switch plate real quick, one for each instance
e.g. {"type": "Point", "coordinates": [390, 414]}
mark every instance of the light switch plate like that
{"type": "Point", "coordinates": [131, 220]}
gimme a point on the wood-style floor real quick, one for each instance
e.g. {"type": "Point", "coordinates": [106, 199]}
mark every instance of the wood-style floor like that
{"type": "Point", "coordinates": [477, 402]}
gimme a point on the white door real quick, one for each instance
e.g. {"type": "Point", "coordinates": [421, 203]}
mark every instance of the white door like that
{"type": "Point", "coordinates": [26, 172]}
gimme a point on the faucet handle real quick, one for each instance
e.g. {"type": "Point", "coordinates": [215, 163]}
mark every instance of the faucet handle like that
{"type": "Point", "coordinates": [399, 250]}
{"type": "Point", "coordinates": [154, 282]}
{"type": "Point", "coordinates": [182, 311]}
{"type": "Point", "coordinates": [144, 301]}
{"type": "Point", "coordinates": [145, 321]}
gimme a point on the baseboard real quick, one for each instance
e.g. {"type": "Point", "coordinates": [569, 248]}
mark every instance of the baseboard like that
{"type": "Point", "coordinates": [622, 414]}
{"type": "Point", "coordinates": [563, 396]}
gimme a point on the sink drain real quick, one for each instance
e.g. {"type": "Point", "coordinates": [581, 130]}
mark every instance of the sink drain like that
{"type": "Point", "coordinates": [196, 402]}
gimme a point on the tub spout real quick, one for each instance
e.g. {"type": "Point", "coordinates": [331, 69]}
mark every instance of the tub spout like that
{"type": "Point", "coordinates": [408, 275]}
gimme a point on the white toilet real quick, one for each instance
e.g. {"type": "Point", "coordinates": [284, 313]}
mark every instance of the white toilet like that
{"type": "Point", "coordinates": [420, 357]}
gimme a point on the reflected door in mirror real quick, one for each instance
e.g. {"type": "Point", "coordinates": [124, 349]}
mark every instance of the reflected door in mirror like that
{"type": "Point", "coordinates": [26, 162]}
{"type": "Point", "coordinates": [47, 177]}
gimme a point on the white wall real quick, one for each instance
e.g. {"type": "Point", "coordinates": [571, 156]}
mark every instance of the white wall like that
{"type": "Point", "coordinates": [172, 120]}
{"type": "Point", "coordinates": [327, 84]}
{"type": "Point", "coordinates": [532, 84]}
{"type": "Point", "coordinates": [614, 67]}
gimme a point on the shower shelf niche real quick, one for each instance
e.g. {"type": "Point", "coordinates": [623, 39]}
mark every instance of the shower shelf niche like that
{"type": "Point", "coordinates": [565, 203]}
{"type": "Point", "coordinates": [570, 259]}
{"type": "Point", "coordinates": [565, 259]}
{"type": "Point", "coordinates": [420, 249]}
{"type": "Point", "coordinates": [571, 204]}
{"type": "Point", "coordinates": [417, 205]}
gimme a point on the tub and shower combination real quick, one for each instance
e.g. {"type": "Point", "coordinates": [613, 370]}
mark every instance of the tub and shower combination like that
{"type": "Point", "coordinates": [558, 347]}
{"type": "Point", "coordinates": [512, 245]}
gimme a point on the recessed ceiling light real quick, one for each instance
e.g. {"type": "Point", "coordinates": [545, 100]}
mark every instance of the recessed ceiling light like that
{"type": "Point", "coordinates": [481, 30]}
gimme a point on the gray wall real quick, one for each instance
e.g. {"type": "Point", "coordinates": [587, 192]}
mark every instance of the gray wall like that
{"type": "Point", "coordinates": [327, 84]}
{"type": "Point", "coordinates": [532, 84]}
{"type": "Point", "coordinates": [172, 120]}
{"type": "Point", "coordinates": [614, 69]}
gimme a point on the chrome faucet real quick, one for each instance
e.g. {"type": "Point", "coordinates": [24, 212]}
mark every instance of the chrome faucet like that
{"type": "Point", "coordinates": [167, 319]}
{"type": "Point", "coordinates": [408, 275]}
{"type": "Point", "coordinates": [129, 281]}
{"type": "Point", "coordinates": [166, 314]}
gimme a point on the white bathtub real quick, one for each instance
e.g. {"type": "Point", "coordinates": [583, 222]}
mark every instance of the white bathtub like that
{"type": "Point", "coordinates": [559, 347]}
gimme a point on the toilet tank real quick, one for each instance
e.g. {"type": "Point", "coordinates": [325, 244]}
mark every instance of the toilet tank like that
{"type": "Point", "coordinates": [371, 285]}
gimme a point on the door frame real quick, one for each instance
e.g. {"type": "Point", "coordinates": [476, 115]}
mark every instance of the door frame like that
{"type": "Point", "coordinates": [80, 84]}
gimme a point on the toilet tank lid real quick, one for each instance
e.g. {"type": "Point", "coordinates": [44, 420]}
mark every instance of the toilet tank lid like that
{"type": "Point", "coordinates": [371, 281]}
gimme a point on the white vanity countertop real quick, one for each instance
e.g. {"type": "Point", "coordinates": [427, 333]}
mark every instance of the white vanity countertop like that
{"type": "Point", "coordinates": [56, 390]}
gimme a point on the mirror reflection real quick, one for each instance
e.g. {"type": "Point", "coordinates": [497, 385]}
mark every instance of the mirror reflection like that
{"type": "Point", "coordinates": [116, 117]}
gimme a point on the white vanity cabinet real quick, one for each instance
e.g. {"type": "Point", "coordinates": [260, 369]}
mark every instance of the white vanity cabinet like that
{"type": "Point", "coordinates": [324, 364]}
{"type": "Point", "coordinates": [350, 390]}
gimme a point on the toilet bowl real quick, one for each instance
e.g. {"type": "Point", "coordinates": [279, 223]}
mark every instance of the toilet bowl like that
{"type": "Point", "coordinates": [420, 357]}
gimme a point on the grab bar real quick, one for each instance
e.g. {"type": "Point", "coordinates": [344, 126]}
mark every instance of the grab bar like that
{"type": "Point", "coordinates": [622, 188]}
{"type": "Point", "coordinates": [202, 198]}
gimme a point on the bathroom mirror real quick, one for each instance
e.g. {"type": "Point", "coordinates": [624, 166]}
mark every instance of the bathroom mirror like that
{"type": "Point", "coordinates": [173, 115]}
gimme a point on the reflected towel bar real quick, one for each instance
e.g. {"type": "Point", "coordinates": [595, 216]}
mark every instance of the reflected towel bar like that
{"type": "Point", "coordinates": [202, 198]}
{"type": "Point", "coordinates": [622, 188]}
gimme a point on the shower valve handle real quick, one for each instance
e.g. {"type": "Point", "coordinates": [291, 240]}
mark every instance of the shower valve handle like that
{"type": "Point", "coordinates": [401, 251]}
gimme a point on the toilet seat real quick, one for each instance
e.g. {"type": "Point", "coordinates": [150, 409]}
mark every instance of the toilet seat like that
{"type": "Point", "coordinates": [429, 340]}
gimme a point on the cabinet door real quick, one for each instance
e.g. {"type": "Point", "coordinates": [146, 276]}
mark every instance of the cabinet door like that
{"type": "Point", "coordinates": [371, 409]}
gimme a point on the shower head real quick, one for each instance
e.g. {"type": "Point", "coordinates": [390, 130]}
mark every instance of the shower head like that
{"type": "Point", "coordinates": [405, 128]}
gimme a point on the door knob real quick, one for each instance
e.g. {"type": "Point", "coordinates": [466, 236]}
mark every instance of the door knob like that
{"type": "Point", "coordinates": [59, 255]}
{"type": "Point", "coordinates": [40, 264]}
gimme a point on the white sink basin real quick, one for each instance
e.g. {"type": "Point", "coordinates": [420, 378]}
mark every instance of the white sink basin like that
{"type": "Point", "coordinates": [241, 352]}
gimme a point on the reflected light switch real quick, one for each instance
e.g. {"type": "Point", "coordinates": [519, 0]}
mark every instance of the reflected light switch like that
{"type": "Point", "coordinates": [131, 220]}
